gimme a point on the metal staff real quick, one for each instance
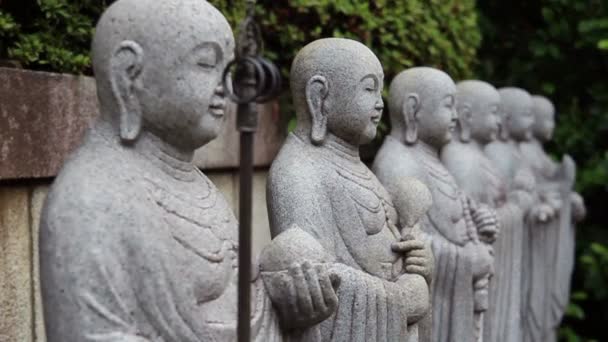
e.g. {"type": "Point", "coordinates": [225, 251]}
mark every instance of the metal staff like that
{"type": "Point", "coordinates": [256, 80]}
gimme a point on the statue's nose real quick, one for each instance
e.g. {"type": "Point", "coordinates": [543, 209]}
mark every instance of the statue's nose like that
{"type": "Point", "coordinates": [219, 90]}
{"type": "Point", "coordinates": [380, 105]}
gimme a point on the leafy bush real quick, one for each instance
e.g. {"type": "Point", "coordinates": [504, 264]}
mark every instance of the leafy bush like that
{"type": "Point", "coordinates": [55, 34]}
{"type": "Point", "coordinates": [49, 35]}
{"type": "Point", "coordinates": [402, 33]}
{"type": "Point", "coordinates": [439, 33]}
{"type": "Point", "coordinates": [558, 48]}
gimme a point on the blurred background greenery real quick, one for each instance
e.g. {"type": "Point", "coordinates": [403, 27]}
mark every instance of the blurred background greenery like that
{"type": "Point", "coordinates": [558, 48]}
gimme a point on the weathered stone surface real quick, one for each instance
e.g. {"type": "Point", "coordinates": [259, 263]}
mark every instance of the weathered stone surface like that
{"type": "Point", "coordinates": [422, 109]}
{"type": "Point", "coordinates": [135, 242]}
{"type": "Point", "coordinates": [478, 106]}
{"type": "Point", "coordinates": [330, 217]}
{"type": "Point", "coordinates": [517, 120]}
{"type": "Point", "coordinates": [260, 226]}
{"type": "Point", "coordinates": [554, 183]}
{"type": "Point", "coordinates": [37, 199]}
{"type": "Point", "coordinates": [44, 116]}
{"type": "Point", "coordinates": [16, 300]}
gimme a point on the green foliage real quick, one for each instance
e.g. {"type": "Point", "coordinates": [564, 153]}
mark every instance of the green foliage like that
{"type": "Point", "coordinates": [443, 34]}
{"type": "Point", "coordinates": [50, 35]}
{"type": "Point", "coordinates": [439, 33]}
{"type": "Point", "coordinates": [55, 34]}
{"type": "Point", "coordinates": [558, 48]}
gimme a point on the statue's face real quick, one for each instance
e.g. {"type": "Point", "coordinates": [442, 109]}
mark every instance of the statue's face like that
{"type": "Point", "coordinates": [544, 125]}
{"type": "Point", "coordinates": [182, 98]}
{"type": "Point", "coordinates": [437, 116]}
{"type": "Point", "coordinates": [485, 120]}
{"type": "Point", "coordinates": [520, 122]}
{"type": "Point", "coordinates": [355, 102]}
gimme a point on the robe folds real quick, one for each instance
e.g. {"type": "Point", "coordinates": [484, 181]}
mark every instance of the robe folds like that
{"type": "Point", "coordinates": [329, 194]}
{"type": "Point", "coordinates": [553, 180]}
{"type": "Point", "coordinates": [477, 175]}
{"type": "Point", "coordinates": [452, 238]}
{"type": "Point", "coordinates": [138, 260]}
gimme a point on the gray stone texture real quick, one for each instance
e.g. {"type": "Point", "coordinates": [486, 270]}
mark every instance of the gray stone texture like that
{"type": "Point", "coordinates": [477, 105]}
{"type": "Point", "coordinates": [16, 293]}
{"type": "Point", "coordinates": [44, 116]}
{"type": "Point", "coordinates": [554, 186]}
{"type": "Point", "coordinates": [460, 229]}
{"type": "Point", "coordinates": [516, 123]}
{"type": "Point", "coordinates": [136, 244]}
{"type": "Point", "coordinates": [340, 266]}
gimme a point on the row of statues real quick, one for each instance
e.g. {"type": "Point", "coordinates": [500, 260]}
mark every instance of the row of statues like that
{"type": "Point", "coordinates": [461, 231]}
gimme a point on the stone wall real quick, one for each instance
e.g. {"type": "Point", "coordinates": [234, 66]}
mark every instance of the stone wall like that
{"type": "Point", "coordinates": [42, 118]}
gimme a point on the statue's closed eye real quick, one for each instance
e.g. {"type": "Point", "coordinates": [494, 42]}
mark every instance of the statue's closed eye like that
{"type": "Point", "coordinates": [207, 55]}
{"type": "Point", "coordinates": [207, 60]}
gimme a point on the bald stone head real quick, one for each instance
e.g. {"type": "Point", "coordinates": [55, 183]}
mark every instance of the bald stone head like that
{"type": "Point", "coordinates": [422, 106]}
{"type": "Point", "coordinates": [544, 118]}
{"type": "Point", "coordinates": [158, 67]}
{"type": "Point", "coordinates": [477, 104]}
{"type": "Point", "coordinates": [516, 112]}
{"type": "Point", "coordinates": [337, 85]}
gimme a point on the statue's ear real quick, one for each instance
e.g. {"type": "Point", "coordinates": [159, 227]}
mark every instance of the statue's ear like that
{"type": "Point", "coordinates": [465, 121]}
{"type": "Point", "coordinates": [409, 111]}
{"type": "Point", "coordinates": [317, 89]}
{"type": "Point", "coordinates": [125, 68]}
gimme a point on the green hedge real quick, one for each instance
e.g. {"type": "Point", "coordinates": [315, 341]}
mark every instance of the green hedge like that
{"type": "Point", "coordinates": [443, 33]}
{"type": "Point", "coordinates": [54, 35]}
{"type": "Point", "coordinates": [558, 48]}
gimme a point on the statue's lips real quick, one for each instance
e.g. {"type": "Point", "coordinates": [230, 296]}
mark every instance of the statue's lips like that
{"type": "Point", "coordinates": [217, 111]}
{"type": "Point", "coordinates": [376, 119]}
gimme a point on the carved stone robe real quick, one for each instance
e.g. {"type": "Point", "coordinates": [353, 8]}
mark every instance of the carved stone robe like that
{"type": "Point", "coordinates": [140, 248]}
{"type": "Point", "coordinates": [330, 194]}
{"type": "Point", "coordinates": [560, 240]}
{"type": "Point", "coordinates": [453, 237]}
{"type": "Point", "coordinates": [538, 260]}
{"type": "Point", "coordinates": [481, 180]}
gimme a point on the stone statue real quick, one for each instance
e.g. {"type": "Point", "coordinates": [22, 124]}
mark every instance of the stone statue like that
{"type": "Point", "coordinates": [517, 120]}
{"type": "Point", "coordinates": [555, 182]}
{"type": "Point", "coordinates": [477, 106]}
{"type": "Point", "coordinates": [329, 212]}
{"type": "Point", "coordinates": [136, 243]}
{"type": "Point", "coordinates": [421, 104]}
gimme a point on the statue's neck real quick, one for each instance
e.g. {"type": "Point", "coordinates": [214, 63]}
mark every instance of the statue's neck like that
{"type": "Point", "coordinates": [333, 143]}
{"type": "Point", "coordinates": [163, 154]}
{"type": "Point", "coordinates": [168, 158]}
{"type": "Point", "coordinates": [342, 147]}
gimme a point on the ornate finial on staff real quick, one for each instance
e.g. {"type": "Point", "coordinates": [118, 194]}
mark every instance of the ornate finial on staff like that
{"type": "Point", "coordinates": [256, 80]}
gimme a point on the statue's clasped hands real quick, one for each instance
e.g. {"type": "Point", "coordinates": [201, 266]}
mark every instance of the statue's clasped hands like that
{"type": "Point", "coordinates": [418, 256]}
{"type": "Point", "coordinates": [486, 223]}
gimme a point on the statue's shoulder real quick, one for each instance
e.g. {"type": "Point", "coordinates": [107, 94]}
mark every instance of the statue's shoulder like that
{"type": "Point", "coordinates": [294, 164]}
{"type": "Point", "coordinates": [396, 160]}
{"type": "Point", "coordinates": [94, 188]}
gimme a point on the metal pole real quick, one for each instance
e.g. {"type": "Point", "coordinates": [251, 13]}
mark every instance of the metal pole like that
{"type": "Point", "coordinates": [245, 204]}
{"type": "Point", "coordinates": [255, 80]}
{"type": "Point", "coordinates": [246, 123]}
